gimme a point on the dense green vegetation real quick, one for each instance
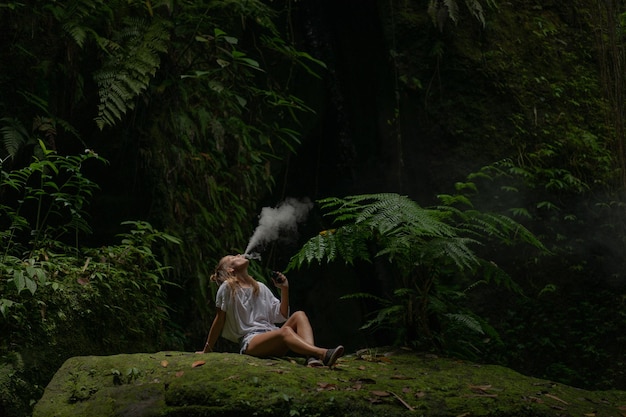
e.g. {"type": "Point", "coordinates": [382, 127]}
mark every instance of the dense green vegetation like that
{"type": "Point", "coordinates": [140, 139]}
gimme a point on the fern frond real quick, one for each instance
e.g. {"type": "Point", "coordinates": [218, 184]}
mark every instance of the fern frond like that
{"type": "Point", "coordinates": [130, 68]}
{"type": "Point", "coordinates": [504, 228]}
{"type": "Point", "coordinates": [493, 274]}
{"type": "Point", "coordinates": [385, 316]}
{"type": "Point", "coordinates": [364, 296]}
{"type": "Point", "coordinates": [476, 9]}
{"type": "Point", "coordinates": [329, 245]}
{"type": "Point", "coordinates": [14, 135]}
{"type": "Point", "coordinates": [454, 249]}
{"type": "Point", "coordinates": [466, 321]}
{"type": "Point", "coordinates": [440, 10]}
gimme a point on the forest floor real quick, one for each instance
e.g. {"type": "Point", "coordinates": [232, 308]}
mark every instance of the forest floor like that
{"type": "Point", "coordinates": [372, 382]}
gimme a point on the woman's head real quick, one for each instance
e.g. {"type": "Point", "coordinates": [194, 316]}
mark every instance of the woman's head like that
{"type": "Point", "coordinates": [233, 269]}
{"type": "Point", "coordinates": [228, 267]}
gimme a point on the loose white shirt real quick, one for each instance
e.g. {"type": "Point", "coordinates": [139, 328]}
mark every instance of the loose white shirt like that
{"type": "Point", "coordinates": [246, 312]}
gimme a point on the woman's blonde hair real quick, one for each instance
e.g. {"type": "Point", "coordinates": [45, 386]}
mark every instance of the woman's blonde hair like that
{"type": "Point", "coordinates": [222, 275]}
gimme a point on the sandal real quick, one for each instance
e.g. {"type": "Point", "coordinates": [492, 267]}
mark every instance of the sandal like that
{"type": "Point", "coordinates": [332, 355]}
{"type": "Point", "coordinates": [313, 362]}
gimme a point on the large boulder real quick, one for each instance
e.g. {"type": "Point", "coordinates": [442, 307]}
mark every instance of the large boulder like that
{"type": "Point", "coordinates": [390, 383]}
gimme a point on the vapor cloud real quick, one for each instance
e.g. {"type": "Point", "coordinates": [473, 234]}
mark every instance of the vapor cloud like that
{"type": "Point", "coordinates": [276, 222]}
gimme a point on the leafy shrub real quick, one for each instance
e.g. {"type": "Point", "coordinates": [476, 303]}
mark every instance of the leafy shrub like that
{"type": "Point", "coordinates": [58, 299]}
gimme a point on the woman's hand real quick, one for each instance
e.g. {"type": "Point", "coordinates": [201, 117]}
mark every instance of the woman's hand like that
{"type": "Point", "coordinates": [280, 280]}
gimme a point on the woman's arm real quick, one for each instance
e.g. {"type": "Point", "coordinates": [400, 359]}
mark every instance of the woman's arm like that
{"type": "Point", "coordinates": [215, 332]}
{"type": "Point", "coordinates": [283, 284]}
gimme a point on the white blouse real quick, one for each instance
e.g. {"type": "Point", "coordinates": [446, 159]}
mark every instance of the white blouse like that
{"type": "Point", "coordinates": [246, 313]}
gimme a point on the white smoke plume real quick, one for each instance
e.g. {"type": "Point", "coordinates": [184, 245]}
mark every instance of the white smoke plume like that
{"type": "Point", "coordinates": [275, 222]}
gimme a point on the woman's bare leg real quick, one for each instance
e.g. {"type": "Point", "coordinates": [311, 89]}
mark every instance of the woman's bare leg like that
{"type": "Point", "coordinates": [300, 324]}
{"type": "Point", "coordinates": [279, 342]}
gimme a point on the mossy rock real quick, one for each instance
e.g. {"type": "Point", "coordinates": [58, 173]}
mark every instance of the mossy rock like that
{"type": "Point", "coordinates": [392, 383]}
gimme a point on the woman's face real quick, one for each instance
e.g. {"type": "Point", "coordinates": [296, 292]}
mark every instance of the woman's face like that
{"type": "Point", "coordinates": [236, 262]}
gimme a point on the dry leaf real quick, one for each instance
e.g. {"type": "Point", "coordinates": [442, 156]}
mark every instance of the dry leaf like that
{"type": "Point", "coordinates": [197, 363]}
{"type": "Point", "coordinates": [380, 393]}
{"type": "Point", "coordinates": [324, 386]}
{"type": "Point", "coordinates": [556, 398]}
{"type": "Point", "coordinates": [179, 374]}
{"type": "Point", "coordinates": [480, 387]}
{"type": "Point", "coordinates": [164, 364]}
{"type": "Point", "coordinates": [362, 368]}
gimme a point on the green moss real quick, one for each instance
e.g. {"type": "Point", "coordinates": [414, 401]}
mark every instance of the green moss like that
{"type": "Point", "coordinates": [168, 384]}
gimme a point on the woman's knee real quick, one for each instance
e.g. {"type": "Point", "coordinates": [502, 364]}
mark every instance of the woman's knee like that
{"type": "Point", "coordinates": [287, 331]}
{"type": "Point", "coordinates": [300, 316]}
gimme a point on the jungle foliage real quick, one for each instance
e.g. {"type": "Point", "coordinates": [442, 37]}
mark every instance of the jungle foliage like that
{"type": "Point", "coordinates": [192, 107]}
{"type": "Point", "coordinates": [190, 103]}
{"type": "Point", "coordinates": [59, 298]}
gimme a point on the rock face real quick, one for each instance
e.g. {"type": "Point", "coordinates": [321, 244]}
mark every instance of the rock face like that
{"type": "Point", "coordinates": [370, 383]}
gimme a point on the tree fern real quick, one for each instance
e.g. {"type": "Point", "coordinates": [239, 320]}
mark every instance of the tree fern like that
{"type": "Point", "coordinates": [421, 245]}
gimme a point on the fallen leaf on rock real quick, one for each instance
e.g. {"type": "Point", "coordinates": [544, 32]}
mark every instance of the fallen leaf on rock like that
{"type": "Point", "coordinates": [164, 364]}
{"type": "Point", "coordinates": [325, 386]}
{"type": "Point", "coordinates": [480, 387]}
{"type": "Point", "coordinates": [554, 397]}
{"type": "Point", "coordinates": [197, 363]}
{"type": "Point", "coordinates": [533, 399]}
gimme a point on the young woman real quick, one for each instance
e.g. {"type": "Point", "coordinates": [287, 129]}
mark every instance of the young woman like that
{"type": "Point", "coordinates": [247, 313]}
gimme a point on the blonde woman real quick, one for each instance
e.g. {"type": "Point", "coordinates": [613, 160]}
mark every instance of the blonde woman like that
{"type": "Point", "coordinates": [247, 313]}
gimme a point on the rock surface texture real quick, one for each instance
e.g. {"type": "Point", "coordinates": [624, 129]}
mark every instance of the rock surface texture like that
{"type": "Point", "coordinates": [390, 383]}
